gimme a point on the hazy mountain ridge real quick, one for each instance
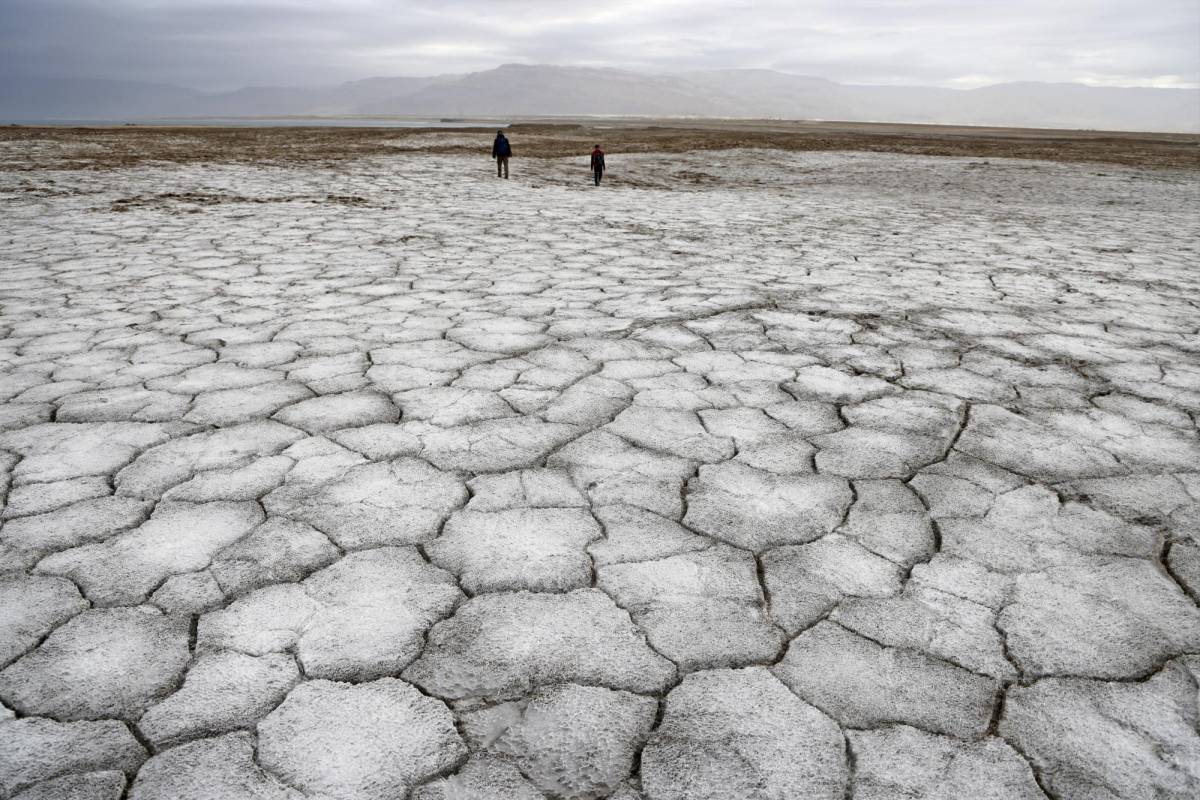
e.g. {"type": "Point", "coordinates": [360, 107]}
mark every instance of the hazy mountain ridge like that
{"type": "Point", "coordinates": [519, 90]}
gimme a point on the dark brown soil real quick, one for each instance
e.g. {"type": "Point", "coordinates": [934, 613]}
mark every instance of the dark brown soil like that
{"type": "Point", "coordinates": [113, 147]}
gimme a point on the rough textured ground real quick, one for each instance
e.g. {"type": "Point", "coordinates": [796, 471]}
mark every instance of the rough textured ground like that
{"type": "Point", "coordinates": [750, 475]}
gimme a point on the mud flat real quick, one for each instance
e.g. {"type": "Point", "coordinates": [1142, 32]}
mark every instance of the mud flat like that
{"type": "Point", "coordinates": [759, 472]}
{"type": "Point", "coordinates": [108, 146]}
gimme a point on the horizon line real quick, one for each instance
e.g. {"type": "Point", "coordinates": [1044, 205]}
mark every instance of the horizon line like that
{"type": "Point", "coordinates": [627, 70]}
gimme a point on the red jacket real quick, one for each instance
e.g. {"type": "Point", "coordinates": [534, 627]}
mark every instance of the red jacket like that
{"type": "Point", "coordinates": [597, 160]}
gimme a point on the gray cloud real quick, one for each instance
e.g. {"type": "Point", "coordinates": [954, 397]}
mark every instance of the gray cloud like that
{"type": "Point", "coordinates": [213, 44]}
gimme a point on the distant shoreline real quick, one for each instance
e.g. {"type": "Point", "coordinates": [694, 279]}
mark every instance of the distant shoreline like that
{"type": "Point", "coordinates": [600, 122]}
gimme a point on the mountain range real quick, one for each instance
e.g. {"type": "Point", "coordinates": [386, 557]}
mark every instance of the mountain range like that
{"type": "Point", "coordinates": [516, 90]}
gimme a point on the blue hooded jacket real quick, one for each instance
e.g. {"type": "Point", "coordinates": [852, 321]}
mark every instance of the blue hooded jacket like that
{"type": "Point", "coordinates": [501, 148]}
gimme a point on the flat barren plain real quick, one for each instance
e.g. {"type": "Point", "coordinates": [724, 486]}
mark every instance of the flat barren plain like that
{"type": "Point", "coordinates": [795, 461]}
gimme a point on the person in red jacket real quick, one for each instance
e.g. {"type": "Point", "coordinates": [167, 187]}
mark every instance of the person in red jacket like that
{"type": "Point", "coordinates": [597, 164]}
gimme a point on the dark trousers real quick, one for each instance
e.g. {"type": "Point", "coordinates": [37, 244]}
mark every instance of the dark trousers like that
{"type": "Point", "coordinates": [597, 174]}
{"type": "Point", "coordinates": [501, 166]}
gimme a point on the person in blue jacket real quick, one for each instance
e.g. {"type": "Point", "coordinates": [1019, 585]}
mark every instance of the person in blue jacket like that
{"type": "Point", "coordinates": [501, 151]}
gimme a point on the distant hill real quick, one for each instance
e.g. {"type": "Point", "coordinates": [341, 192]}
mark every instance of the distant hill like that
{"type": "Point", "coordinates": [515, 90]}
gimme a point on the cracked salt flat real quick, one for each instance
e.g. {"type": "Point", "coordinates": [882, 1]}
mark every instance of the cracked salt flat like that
{"type": "Point", "coordinates": [840, 475]}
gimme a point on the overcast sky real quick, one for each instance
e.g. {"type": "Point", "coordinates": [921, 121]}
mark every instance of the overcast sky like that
{"type": "Point", "coordinates": [223, 44]}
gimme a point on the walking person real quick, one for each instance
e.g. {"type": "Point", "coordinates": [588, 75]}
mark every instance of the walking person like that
{"type": "Point", "coordinates": [501, 151]}
{"type": "Point", "coordinates": [597, 164]}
